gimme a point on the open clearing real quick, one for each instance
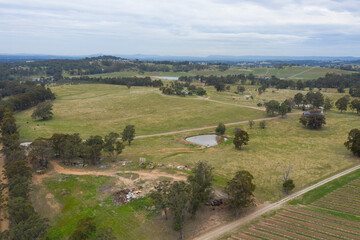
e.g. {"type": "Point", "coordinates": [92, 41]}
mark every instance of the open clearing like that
{"type": "Point", "coordinates": [93, 109]}
{"type": "Point", "coordinates": [330, 212]}
{"type": "Point", "coordinates": [70, 194]}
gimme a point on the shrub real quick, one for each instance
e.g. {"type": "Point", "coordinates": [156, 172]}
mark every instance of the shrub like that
{"type": "Point", "coordinates": [288, 185]}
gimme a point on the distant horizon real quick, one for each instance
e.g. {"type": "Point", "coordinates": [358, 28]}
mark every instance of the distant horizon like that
{"type": "Point", "coordinates": [178, 56]}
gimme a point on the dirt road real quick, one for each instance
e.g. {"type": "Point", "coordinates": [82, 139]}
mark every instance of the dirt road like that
{"type": "Point", "coordinates": [228, 228]}
{"type": "Point", "coordinates": [209, 127]}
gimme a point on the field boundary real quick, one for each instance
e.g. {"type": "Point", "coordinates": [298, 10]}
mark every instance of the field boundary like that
{"type": "Point", "coordinates": [222, 230]}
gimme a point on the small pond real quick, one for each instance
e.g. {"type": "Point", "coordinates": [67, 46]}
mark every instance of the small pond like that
{"type": "Point", "coordinates": [167, 78]}
{"type": "Point", "coordinates": [206, 140]}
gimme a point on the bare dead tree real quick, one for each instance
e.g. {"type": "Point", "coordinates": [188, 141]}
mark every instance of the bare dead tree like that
{"type": "Point", "coordinates": [286, 172]}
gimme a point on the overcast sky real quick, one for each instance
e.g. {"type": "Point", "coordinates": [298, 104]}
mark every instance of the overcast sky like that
{"type": "Point", "coordinates": [181, 27]}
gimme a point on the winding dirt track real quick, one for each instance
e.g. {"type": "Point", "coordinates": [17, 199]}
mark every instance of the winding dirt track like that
{"type": "Point", "coordinates": [230, 227]}
{"type": "Point", "coordinates": [143, 175]}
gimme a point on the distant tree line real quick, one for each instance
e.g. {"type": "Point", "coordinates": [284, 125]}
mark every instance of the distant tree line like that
{"type": "Point", "coordinates": [25, 222]}
{"type": "Point", "coordinates": [330, 80]}
{"type": "Point", "coordinates": [96, 65]}
{"type": "Point", "coordinates": [23, 95]}
{"type": "Point", "coordinates": [127, 81]}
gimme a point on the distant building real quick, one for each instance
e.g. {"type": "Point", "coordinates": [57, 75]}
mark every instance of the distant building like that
{"type": "Point", "coordinates": [312, 112]}
{"type": "Point", "coordinates": [248, 96]}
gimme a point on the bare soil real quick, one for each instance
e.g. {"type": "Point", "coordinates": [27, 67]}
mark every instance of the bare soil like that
{"type": "Point", "coordinates": [4, 223]}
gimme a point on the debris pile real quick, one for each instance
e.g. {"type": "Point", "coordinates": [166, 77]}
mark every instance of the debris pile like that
{"type": "Point", "coordinates": [104, 166]}
{"type": "Point", "coordinates": [123, 163]}
{"type": "Point", "coordinates": [216, 202]}
{"type": "Point", "coordinates": [125, 196]}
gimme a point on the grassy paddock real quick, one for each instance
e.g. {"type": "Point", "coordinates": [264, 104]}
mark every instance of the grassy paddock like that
{"type": "Point", "coordinates": [313, 154]}
{"type": "Point", "coordinates": [96, 109]}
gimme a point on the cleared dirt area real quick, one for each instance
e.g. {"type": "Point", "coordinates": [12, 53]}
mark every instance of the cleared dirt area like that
{"type": "Point", "coordinates": [143, 175]}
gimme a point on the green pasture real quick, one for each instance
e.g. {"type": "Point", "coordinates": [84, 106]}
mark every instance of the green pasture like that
{"type": "Point", "coordinates": [97, 109]}
{"type": "Point", "coordinates": [313, 154]}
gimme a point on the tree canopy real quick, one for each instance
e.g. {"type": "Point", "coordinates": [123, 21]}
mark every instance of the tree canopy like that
{"type": "Point", "coordinates": [240, 191]}
{"type": "Point", "coordinates": [241, 138]}
{"type": "Point", "coordinates": [220, 129]}
{"type": "Point", "coordinates": [128, 134]}
{"type": "Point", "coordinates": [272, 107]}
{"type": "Point", "coordinates": [200, 184]}
{"type": "Point", "coordinates": [353, 142]}
{"type": "Point", "coordinates": [43, 110]}
{"type": "Point", "coordinates": [313, 121]}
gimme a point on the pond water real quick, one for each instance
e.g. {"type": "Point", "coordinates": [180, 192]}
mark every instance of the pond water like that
{"type": "Point", "coordinates": [207, 140]}
{"type": "Point", "coordinates": [167, 78]}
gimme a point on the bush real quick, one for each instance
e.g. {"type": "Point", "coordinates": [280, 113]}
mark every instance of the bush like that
{"type": "Point", "coordinates": [241, 138]}
{"type": "Point", "coordinates": [263, 124]}
{"type": "Point", "coordinates": [220, 129]}
{"type": "Point", "coordinates": [288, 185]}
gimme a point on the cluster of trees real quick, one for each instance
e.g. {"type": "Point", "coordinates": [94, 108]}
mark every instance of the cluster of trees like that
{"type": "Point", "coordinates": [126, 81]}
{"type": "Point", "coordinates": [69, 147]}
{"type": "Point", "coordinates": [178, 88]}
{"type": "Point", "coordinates": [314, 98]}
{"type": "Point", "coordinates": [344, 102]}
{"type": "Point", "coordinates": [330, 80]}
{"type": "Point", "coordinates": [273, 107]}
{"type": "Point", "coordinates": [29, 99]}
{"type": "Point", "coordinates": [9, 88]}
{"type": "Point", "coordinates": [241, 136]}
{"type": "Point", "coordinates": [23, 95]}
{"type": "Point", "coordinates": [25, 222]}
{"type": "Point", "coordinates": [355, 92]}
{"type": "Point", "coordinates": [317, 99]}
{"type": "Point", "coordinates": [181, 198]}
{"type": "Point", "coordinates": [43, 110]}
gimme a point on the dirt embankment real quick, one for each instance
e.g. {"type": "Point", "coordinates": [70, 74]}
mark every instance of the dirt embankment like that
{"type": "Point", "coordinates": [4, 223]}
